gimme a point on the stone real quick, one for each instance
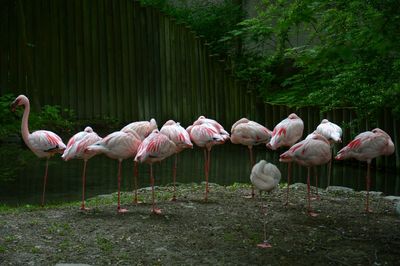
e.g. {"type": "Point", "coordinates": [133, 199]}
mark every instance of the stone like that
{"type": "Point", "coordinates": [339, 189]}
{"type": "Point", "coordinates": [372, 193]}
{"type": "Point", "coordinates": [298, 185]}
{"type": "Point", "coordinates": [392, 198]}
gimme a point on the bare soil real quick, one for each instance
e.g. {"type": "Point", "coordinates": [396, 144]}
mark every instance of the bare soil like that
{"type": "Point", "coordinates": [223, 231]}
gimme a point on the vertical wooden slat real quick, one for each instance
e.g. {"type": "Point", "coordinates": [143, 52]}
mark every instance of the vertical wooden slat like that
{"type": "Point", "coordinates": [95, 88]}
{"type": "Point", "coordinates": [63, 54]}
{"type": "Point", "coordinates": [131, 58]}
{"type": "Point", "coordinates": [118, 90]}
{"type": "Point", "coordinates": [125, 100]}
{"type": "Point", "coordinates": [80, 88]}
{"type": "Point", "coordinates": [88, 106]}
{"type": "Point", "coordinates": [4, 27]}
{"type": "Point", "coordinates": [156, 63]}
{"type": "Point", "coordinates": [111, 99]}
{"type": "Point", "coordinates": [55, 54]}
{"type": "Point", "coordinates": [145, 61]}
{"type": "Point", "coordinates": [140, 57]}
{"type": "Point", "coordinates": [168, 67]}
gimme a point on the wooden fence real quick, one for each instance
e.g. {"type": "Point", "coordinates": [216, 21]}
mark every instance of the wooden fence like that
{"type": "Point", "coordinates": [107, 58]}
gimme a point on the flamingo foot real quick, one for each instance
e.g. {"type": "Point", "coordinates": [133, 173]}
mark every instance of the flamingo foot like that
{"type": "Point", "coordinates": [136, 202]}
{"type": "Point", "coordinates": [286, 204]}
{"type": "Point", "coordinates": [315, 198]}
{"type": "Point", "coordinates": [173, 198]}
{"type": "Point", "coordinates": [369, 210]}
{"type": "Point", "coordinates": [265, 244]}
{"type": "Point", "coordinates": [83, 208]}
{"type": "Point", "coordinates": [312, 214]}
{"type": "Point", "coordinates": [122, 210]}
{"type": "Point", "coordinates": [156, 211]}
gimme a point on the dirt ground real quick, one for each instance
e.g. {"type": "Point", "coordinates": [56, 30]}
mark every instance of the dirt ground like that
{"type": "Point", "coordinates": [223, 231]}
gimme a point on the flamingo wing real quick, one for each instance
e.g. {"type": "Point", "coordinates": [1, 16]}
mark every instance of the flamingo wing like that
{"type": "Point", "coordinates": [46, 141]}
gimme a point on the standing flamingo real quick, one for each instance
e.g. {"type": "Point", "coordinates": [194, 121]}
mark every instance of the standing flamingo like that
{"type": "Point", "coordinates": [43, 143]}
{"type": "Point", "coordinates": [265, 177]}
{"type": "Point", "coordinates": [155, 148]}
{"type": "Point", "coordinates": [365, 147]}
{"type": "Point", "coordinates": [333, 134]}
{"type": "Point", "coordinates": [287, 133]}
{"type": "Point", "coordinates": [205, 135]}
{"type": "Point", "coordinates": [118, 145]}
{"type": "Point", "coordinates": [220, 129]}
{"type": "Point", "coordinates": [309, 152]}
{"type": "Point", "coordinates": [249, 133]}
{"type": "Point", "coordinates": [175, 132]}
{"type": "Point", "coordinates": [76, 147]}
{"type": "Point", "coordinates": [143, 129]}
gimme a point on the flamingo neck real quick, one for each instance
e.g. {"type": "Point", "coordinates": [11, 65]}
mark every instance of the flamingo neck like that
{"type": "Point", "coordinates": [24, 124]}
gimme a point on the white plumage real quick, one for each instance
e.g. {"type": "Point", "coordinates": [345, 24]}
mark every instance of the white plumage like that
{"type": "Point", "coordinates": [265, 176]}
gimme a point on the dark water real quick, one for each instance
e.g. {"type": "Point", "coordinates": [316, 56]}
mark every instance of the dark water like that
{"type": "Point", "coordinates": [230, 163]}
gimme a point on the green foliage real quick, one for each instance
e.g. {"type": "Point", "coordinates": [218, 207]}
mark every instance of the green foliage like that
{"type": "Point", "coordinates": [348, 53]}
{"type": "Point", "coordinates": [211, 19]}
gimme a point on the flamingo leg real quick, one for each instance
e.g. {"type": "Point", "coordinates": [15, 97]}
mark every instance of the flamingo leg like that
{"type": "Point", "coordinates": [135, 183]}
{"type": "Point", "coordinates": [316, 184]}
{"type": "Point", "coordinates": [309, 210]}
{"type": "Point", "coordinates": [83, 208]}
{"type": "Point", "coordinates": [174, 176]}
{"type": "Point", "coordinates": [251, 168]}
{"type": "Point", "coordinates": [330, 170]}
{"type": "Point", "coordinates": [45, 181]}
{"type": "Point", "coordinates": [154, 209]}
{"type": "Point", "coordinates": [288, 185]}
{"type": "Point", "coordinates": [206, 173]}
{"type": "Point", "coordinates": [265, 243]}
{"type": "Point", "coordinates": [367, 209]}
{"type": "Point", "coordinates": [208, 169]}
{"type": "Point", "coordinates": [119, 209]}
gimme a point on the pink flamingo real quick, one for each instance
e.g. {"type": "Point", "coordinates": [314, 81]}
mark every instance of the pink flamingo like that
{"type": "Point", "coordinates": [205, 135]}
{"type": "Point", "coordinates": [333, 134]}
{"type": "Point", "coordinates": [76, 149]}
{"type": "Point", "coordinates": [143, 129]}
{"type": "Point", "coordinates": [309, 152]}
{"type": "Point", "coordinates": [365, 147]}
{"type": "Point", "coordinates": [118, 145]}
{"type": "Point", "coordinates": [155, 148]}
{"type": "Point", "coordinates": [265, 177]}
{"type": "Point", "coordinates": [249, 133]}
{"type": "Point", "coordinates": [43, 143]}
{"type": "Point", "coordinates": [175, 132]}
{"type": "Point", "coordinates": [287, 133]}
{"type": "Point", "coordinates": [220, 129]}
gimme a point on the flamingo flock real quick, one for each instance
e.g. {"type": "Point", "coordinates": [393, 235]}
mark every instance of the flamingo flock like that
{"type": "Point", "coordinates": [144, 143]}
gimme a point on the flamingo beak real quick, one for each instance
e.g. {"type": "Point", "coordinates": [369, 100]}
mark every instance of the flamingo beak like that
{"type": "Point", "coordinates": [14, 105]}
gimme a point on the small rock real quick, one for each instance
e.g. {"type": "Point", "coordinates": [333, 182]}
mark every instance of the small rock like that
{"type": "Point", "coordinates": [298, 185]}
{"type": "Point", "coordinates": [372, 193]}
{"type": "Point", "coordinates": [339, 189]}
{"type": "Point", "coordinates": [392, 198]}
{"type": "Point", "coordinates": [148, 188]}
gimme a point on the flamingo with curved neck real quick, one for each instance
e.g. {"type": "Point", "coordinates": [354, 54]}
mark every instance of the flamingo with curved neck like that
{"type": "Point", "coordinates": [43, 143]}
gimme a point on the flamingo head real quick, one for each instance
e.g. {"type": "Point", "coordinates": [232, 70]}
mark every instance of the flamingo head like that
{"type": "Point", "coordinates": [20, 100]}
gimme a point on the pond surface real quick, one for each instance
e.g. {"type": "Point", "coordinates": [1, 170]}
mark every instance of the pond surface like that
{"type": "Point", "coordinates": [229, 164]}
